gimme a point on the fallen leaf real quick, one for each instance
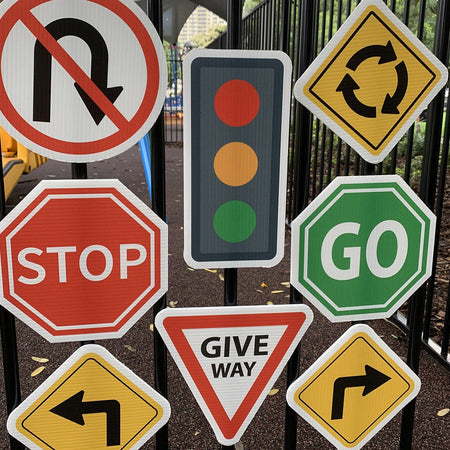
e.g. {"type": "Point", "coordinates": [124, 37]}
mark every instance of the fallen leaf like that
{"type": "Point", "coordinates": [263, 284]}
{"type": "Point", "coordinates": [197, 433]}
{"type": "Point", "coordinates": [129, 347]}
{"type": "Point", "coordinates": [443, 412]}
{"type": "Point", "coordinates": [211, 270]}
{"type": "Point", "coordinates": [260, 291]}
{"type": "Point", "coordinates": [273, 391]}
{"type": "Point", "coordinates": [394, 336]}
{"type": "Point", "coordinates": [39, 360]}
{"type": "Point", "coordinates": [191, 269]}
{"type": "Point", "coordinates": [37, 371]}
{"type": "Point", "coordinates": [285, 283]}
{"type": "Point", "coordinates": [172, 304]}
{"type": "Point", "coordinates": [150, 327]}
{"type": "Point", "coordinates": [270, 303]}
{"type": "Point", "coordinates": [221, 277]}
{"type": "Point", "coordinates": [276, 292]}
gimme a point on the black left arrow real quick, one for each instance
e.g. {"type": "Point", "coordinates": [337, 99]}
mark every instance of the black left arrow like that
{"type": "Point", "coordinates": [74, 408]}
{"type": "Point", "coordinates": [99, 68]}
{"type": "Point", "coordinates": [372, 380]}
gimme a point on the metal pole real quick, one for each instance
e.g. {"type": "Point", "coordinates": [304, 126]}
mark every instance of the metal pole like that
{"type": "Point", "coordinates": [234, 18]}
{"type": "Point", "coordinates": [9, 346]}
{"type": "Point", "coordinates": [301, 191]}
{"type": "Point", "coordinates": [158, 195]}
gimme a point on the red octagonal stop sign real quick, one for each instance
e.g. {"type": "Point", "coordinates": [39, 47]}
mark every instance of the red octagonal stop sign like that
{"type": "Point", "coordinates": [82, 259]}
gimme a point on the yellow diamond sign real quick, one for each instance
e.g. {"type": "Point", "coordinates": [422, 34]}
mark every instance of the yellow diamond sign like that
{"type": "Point", "coordinates": [353, 389]}
{"type": "Point", "coordinates": [371, 81]}
{"type": "Point", "coordinates": [91, 401]}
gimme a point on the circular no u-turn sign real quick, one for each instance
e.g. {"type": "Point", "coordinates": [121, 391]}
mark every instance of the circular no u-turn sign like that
{"type": "Point", "coordinates": [80, 80]}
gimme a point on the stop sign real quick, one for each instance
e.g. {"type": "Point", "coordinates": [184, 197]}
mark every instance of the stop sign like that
{"type": "Point", "coordinates": [82, 259]}
{"type": "Point", "coordinates": [362, 247]}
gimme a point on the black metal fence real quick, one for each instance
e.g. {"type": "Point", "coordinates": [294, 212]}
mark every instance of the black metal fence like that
{"type": "Point", "coordinates": [173, 105]}
{"type": "Point", "coordinates": [317, 155]}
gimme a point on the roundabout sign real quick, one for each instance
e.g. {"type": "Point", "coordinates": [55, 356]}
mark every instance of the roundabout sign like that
{"type": "Point", "coordinates": [371, 81]}
{"type": "Point", "coordinates": [362, 247]}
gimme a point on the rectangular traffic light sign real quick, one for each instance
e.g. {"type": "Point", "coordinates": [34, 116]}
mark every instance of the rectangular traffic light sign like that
{"type": "Point", "coordinates": [236, 128]}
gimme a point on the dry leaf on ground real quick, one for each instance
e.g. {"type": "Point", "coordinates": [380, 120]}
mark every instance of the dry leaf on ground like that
{"type": "Point", "coordinates": [277, 292]}
{"type": "Point", "coordinates": [273, 391]}
{"type": "Point", "coordinates": [37, 371]}
{"type": "Point", "coordinates": [443, 412]}
{"type": "Point", "coordinates": [39, 360]}
{"type": "Point", "coordinates": [129, 347]}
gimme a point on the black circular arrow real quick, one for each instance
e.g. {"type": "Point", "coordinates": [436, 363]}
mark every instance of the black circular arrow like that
{"type": "Point", "coordinates": [348, 85]}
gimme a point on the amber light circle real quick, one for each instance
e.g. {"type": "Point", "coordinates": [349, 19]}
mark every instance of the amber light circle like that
{"type": "Point", "coordinates": [235, 164]}
{"type": "Point", "coordinates": [236, 103]}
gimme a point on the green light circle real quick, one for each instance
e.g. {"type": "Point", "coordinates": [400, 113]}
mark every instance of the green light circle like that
{"type": "Point", "coordinates": [234, 221]}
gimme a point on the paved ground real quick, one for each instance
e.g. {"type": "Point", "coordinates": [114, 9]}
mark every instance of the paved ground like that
{"type": "Point", "coordinates": [187, 427]}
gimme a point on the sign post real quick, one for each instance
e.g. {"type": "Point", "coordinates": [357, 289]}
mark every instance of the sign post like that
{"type": "Point", "coordinates": [236, 133]}
{"type": "Point", "coordinates": [362, 247]}
{"type": "Point", "coordinates": [230, 357]}
{"type": "Point", "coordinates": [82, 259]}
{"type": "Point", "coordinates": [80, 81]}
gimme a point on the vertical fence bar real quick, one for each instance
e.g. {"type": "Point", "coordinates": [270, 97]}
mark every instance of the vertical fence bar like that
{"type": "Point", "coordinates": [234, 19]}
{"type": "Point", "coordinates": [427, 193]}
{"type": "Point", "coordinates": [159, 206]}
{"type": "Point", "coordinates": [303, 124]}
{"type": "Point", "coordinates": [9, 346]}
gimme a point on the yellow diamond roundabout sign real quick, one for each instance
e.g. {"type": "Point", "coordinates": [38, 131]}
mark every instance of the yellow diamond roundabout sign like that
{"type": "Point", "coordinates": [371, 81]}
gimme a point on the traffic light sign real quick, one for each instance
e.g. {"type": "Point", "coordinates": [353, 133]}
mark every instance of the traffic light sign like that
{"type": "Point", "coordinates": [236, 128]}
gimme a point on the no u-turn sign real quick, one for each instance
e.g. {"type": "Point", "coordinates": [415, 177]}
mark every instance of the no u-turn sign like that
{"type": "Point", "coordinates": [80, 80]}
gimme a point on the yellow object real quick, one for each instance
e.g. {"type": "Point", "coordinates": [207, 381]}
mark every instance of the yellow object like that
{"type": "Point", "coordinates": [354, 389]}
{"type": "Point", "coordinates": [371, 81]}
{"type": "Point", "coordinates": [91, 402]}
{"type": "Point", "coordinates": [16, 160]}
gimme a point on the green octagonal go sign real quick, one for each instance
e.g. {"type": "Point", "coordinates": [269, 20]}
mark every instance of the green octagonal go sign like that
{"type": "Point", "coordinates": [362, 247]}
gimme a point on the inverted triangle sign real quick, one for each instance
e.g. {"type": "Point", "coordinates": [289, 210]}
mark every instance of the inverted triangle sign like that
{"type": "Point", "coordinates": [230, 357]}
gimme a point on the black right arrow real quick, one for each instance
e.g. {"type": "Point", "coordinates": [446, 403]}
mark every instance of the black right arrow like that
{"type": "Point", "coordinates": [347, 86]}
{"type": "Point", "coordinates": [99, 68]}
{"type": "Point", "coordinates": [372, 380]}
{"type": "Point", "coordinates": [386, 54]}
{"type": "Point", "coordinates": [74, 408]}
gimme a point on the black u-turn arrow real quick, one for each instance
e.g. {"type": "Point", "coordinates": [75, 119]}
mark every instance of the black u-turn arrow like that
{"type": "Point", "coordinates": [390, 105]}
{"type": "Point", "coordinates": [386, 54]}
{"type": "Point", "coordinates": [372, 380]}
{"type": "Point", "coordinates": [347, 86]}
{"type": "Point", "coordinates": [74, 408]}
{"type": "Point", "coordinates": [99, 68]}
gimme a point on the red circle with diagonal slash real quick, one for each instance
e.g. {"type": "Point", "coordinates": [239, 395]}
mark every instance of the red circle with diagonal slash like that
{"type": "Point", "coordinates": [129, 131]}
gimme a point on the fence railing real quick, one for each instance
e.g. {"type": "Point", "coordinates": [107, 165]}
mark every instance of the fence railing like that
{"type": "Point", "coordinates": [269, 26]}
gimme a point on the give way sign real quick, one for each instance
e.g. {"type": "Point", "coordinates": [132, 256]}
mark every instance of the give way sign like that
{"type": "Point", "coordinates": [82, 259]}
{"type": "Point", "coordinates": [80, 80]}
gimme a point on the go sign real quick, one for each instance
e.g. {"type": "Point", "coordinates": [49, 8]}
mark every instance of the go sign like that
{"type": "Point", "coordinates": [362, 247]}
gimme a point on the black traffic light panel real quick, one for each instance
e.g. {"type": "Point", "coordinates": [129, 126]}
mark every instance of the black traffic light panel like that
{"type": "Point", "coordinates": [236, 125]}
